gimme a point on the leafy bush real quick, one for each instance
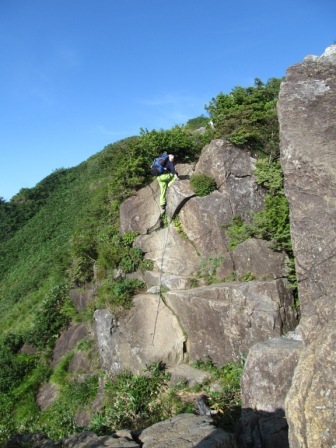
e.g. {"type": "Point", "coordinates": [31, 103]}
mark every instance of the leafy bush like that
{"type": "Point", "coordinates": [50, 318]}
{"type": "Point", "coordinates": [238, 231]}
{"type": "Point", "coordinates": [248, 116]}
{"type": "Point", "coordinates": [137, 401]}
{"type": "Point", "coordinates": [202, 185]}
{"type": "Point", "coordinates": [117, 294]}
{"type": "Point", "coordinates": [13, 368]}
{"type": "Point", "coordinates": [198, 122]}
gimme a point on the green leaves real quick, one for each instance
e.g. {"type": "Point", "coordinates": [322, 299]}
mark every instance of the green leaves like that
{"type": "Point", "coordinates": [202, 185]}
{"type": "Point", "coordinates": [248, 116]}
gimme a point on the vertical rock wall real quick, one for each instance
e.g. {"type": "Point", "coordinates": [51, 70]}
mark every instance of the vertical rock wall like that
{"type": "Point", "coordinates": [307, 114]}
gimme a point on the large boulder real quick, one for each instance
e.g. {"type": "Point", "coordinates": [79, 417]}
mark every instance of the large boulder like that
{"type": "Point", "coordinates": [202, 220]}
{"type": "Point", "coordinates": [256, 257]}
{"type": "Point", "coordinates": [186, 431]}
{"type": "Point", "coordinates": [149, 333]}
{"type": "Point", "coordinates": [268, 373]}
{"type": "Point", "coordinates": [311, 401]}
{"type": "Point", "coordinates": [170, 252]}
{"type": "Point", "coordinates": [307, 114]}
{"type": "Point", "coordinates": [141, 213]}
{"type": "Point", "coordinates": [68, 339]}
{"type": "Point", "coordinates": [233, 169]}
{"type": "Point", "coordinates": [222, 321]}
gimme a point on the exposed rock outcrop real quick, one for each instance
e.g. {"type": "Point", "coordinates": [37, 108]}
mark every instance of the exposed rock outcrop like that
{"type": "Point", "coordinates": [186, 431]}
{"type": "Point", "coordinates": [221, 321]}
{"type": "Point", "coordinates": [150, 332]}
{"type": "Point", "coordinates": [307, 113]}
{"type": "Point", "coordinates": [224, 320]}
{"type": "Point", "coordinates": [233, 170]}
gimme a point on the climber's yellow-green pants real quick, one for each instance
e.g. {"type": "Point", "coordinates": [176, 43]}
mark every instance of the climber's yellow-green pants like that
{"type": "Point", "coordinates": [165, 181]}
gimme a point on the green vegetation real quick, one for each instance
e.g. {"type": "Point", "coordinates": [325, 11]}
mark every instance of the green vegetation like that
{"type": "Point", "coordinates": [248, 116]}
{"type": "Point", "coordinates": [272, 223]}
{"type": "Point", "coordinates": [64, 233]}
{"type": "Point", "coordinates": [138, 401]}
{"type": "Point", "coordinates": [199, 122]}
{"type": "Point", "coordinates": [202, 185]}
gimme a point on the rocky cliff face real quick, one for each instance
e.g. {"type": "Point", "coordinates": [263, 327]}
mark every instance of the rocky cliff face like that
{"type": "Point", "coordinates": [307, 113]}
{"type": "Point", "coordinates": [220, 321]}
{"type": "Point", "coordinates": [293, 378]}
{"type": "Point", "coordinates": [289, 375]}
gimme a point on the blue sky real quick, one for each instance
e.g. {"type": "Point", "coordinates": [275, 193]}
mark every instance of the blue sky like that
{"type": "Point", "coordinates": [77, 75]}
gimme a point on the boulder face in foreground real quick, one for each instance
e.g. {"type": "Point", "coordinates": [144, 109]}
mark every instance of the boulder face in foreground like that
{"type": "Point", "coordinates": [307, 114]}
{"type": "Point", "coordinates": [222, 321]}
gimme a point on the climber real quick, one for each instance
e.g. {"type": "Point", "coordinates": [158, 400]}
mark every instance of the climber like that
{"type": "Point", "coordinates": [166, 179]}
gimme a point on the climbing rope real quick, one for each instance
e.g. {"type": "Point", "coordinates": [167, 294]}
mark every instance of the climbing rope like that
{"type": "Point", "coordinates": [161, 272]}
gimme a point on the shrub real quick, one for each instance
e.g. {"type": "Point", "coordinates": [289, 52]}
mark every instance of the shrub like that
{"type": "Point", "coordinates": [238, 231]}
{"type": "Point", "coordinates": [13, 368]}
{"type": "Point", "coordinates": [50, 318]}
{"type": "Point", "coordinates": [202, 185]}
{"type": "Point", "coordinates": [137, 401]}
{"type": "Point", "coordinates": [118, 293]}
{"type": "Point", "coordinates": [248, 116]}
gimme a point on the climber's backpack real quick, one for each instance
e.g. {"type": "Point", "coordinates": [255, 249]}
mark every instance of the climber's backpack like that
{"type": "Point", "coordinates": [158, 166]}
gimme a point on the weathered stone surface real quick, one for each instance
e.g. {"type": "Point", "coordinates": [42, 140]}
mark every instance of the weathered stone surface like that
{"type": "Point", "coordinates": [81, 298]}
{"type": "Point", "coordinates": [232, 168]}
{"type": "Point", "coordinates": [37, 440]}
{"type": "Point", "coordinates": [184, 170]}
{"type": "Point", "coordinates": [256, 257]}
{"type": "Point", "coordinates": [68, 339]}
{"type": "Point", "coordinates": [224, 320]}
{"type": "Point", "coordinates": [262, 430]}
{"type": "Point", "coordinates": [150, 332]}
{"type": "Point", "coordinates": [202, 219]}
{"type": "Point", "coordinates": [268, 373]}
{"type": "Point", "coordinates": [46, 395]}
{"type": "Point", "coordinates": [83, 362]}
{"type": "Point", "coordinates": [141, 213]}
{"type": "Point", "coordinates": [177, 195]}
{"type": "Point", "coordinates": [188, 375]}
{"type": "Point", "coordinates": [311, 401]}
{"type": "Point", "coordinates": [89, 439]}
{"type": "Point", "coordinates": [171, 253]}
{"type": "Point", "coordinates": [307, 114]}
{"type": "Point", "coordinates": [169, 281]}
{"type": "Point", "coordinates": [186, 431]}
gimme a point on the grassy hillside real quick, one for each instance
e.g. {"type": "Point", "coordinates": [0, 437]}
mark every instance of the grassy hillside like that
{"type": "Point", "coordinates": [53, 235]}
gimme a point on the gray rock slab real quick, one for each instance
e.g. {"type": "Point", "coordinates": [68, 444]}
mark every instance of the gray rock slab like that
{"type": "Point", "coordinates": [202, 219]}
{"type": "Point", "coordinates": [170, 252]}
{"type": "Point", "coordinates": [47, 394]}
{"type": "Point", "coordinates": [155, 279]}
{"type": "Point", "coordinates": [186, 431]}
{"type": "Point", "coordinates": [69, 338]}
{"type": "Point", "coordinates": [187, 374]}
{"type": "Point", "coordinates": [256, 257]}
{"type": "Point", "coordinates": [89, 439]}
{"type": "Point", "coordinates": [224, 320]}
{"type": "Point", "coordinates": [149, 333]}
{"type": "Point", "coordinates": [311, 402]}
{"type": "Point", "coordinates": [177, 195]}
{"type": "Point", "coordinates": [141, 213]}
{"type": "Point", "coordinates": [233, 169]}
{"type": "Point", "coordinates": [307, 116]}
{"type": "Point", "coordinates": [268, 373]}
{"type": "Point", "coordinates": [81, 297]}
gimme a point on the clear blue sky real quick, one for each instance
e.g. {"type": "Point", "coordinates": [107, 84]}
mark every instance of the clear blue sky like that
{"type": "Point", "coordinates": [77, 75]}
